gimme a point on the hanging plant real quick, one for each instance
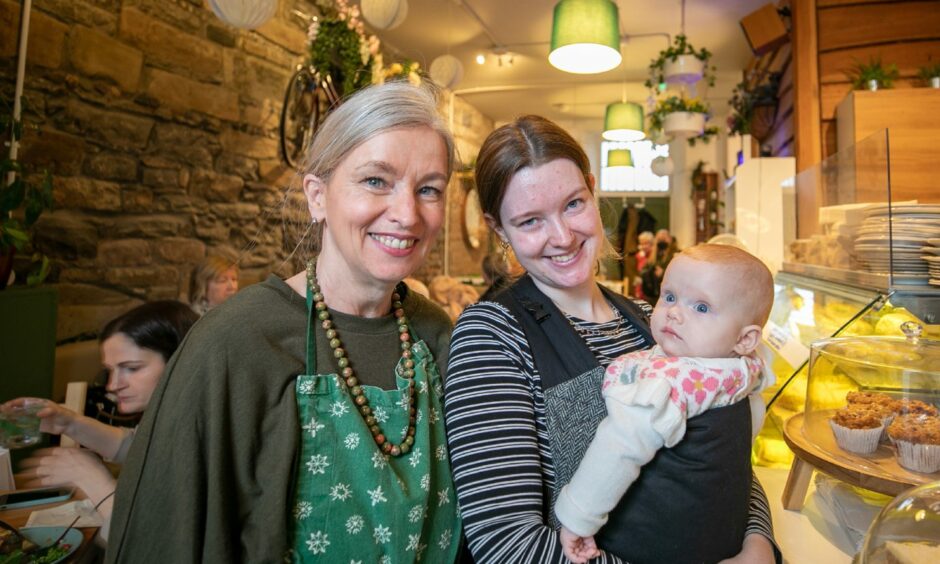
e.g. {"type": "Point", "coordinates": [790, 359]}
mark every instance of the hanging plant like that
{"type": "Point", "coordinates": [746, 103]}
{"type": "Point", "coordinates": [408, 69]}
{"type": "Point", "coordinates": [682, 118]}
{"type": "Point", "coordinates": [873, 75]}
{"type": "Point", "coordinates": [675, 54]}
{"type": "Point", "coordinates": [338, 45]}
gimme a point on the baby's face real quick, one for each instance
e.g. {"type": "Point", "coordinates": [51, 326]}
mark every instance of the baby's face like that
{"type": "Point", "coordinates": [700, 311]}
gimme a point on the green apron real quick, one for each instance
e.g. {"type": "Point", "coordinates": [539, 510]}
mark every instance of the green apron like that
{"type": "Point", "coordinates": [355, 504]}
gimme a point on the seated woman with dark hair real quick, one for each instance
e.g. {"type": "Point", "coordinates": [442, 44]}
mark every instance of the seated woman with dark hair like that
{"type": "Point", "coordinates": [135, 348]}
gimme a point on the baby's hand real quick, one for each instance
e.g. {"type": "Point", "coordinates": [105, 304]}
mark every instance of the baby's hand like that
{"type": "Point", "coordinates": [578, 549]}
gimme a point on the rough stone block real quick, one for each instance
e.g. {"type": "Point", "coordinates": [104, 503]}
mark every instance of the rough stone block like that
{"type": "Point", "coordinates": [58, 152]}
{"type": "Point", "coordinates": [71, 192]}
{"type": "Point", "coordinates": [66, 235]}
{"type": "Point", "coordinates": [167, 178]}
{"type": "Point", "coordinates": [112, 166]}
{"type": "Point", "coordinates": [182, 94]}
{"type": "Point", "coordinates": [224, 36]}
{"type": "Point", "coordinates": [237, 211]}
{"type": "Point", "coordinates": [82, 12]}
{"type": "Point", "coordinates": [174, 144]}
{"type": "Point", "coordinates": [124, 252]}
{"type": "Point", "coordinates": [167, 47]}
{"type": "Point", "coordinates": [260, 80]}
{"type": "Point", "coordinates": [216, 187]}
{"type": "Point", "coordinates": [148, 226]}
{"type": "Point", "coordinates": [114, 129]}
{"type": "Point", "coordinates": [180, 202]}
{"type": "Point", "coordinates": [98, 55]}
{"type": "Point", "coordinates": [284, 33]}
{"type": "Point", "coordinates": [179, 250]}
{"type": "Point", "coordinates": [249, 145]}
{"type": "Point", "coordinates": [9, 21]}
{"type": "Point", "coordinates": [46, 40]}
{"type": "Point", "coordinates": [136, 199]}
{"type": "Point", "coordinates": [142, 276]}
{"type": "Point", "coordinates": [265, 114]}
{"type": "Point", "coordinates": [238, 165]}
{"type": "Point", "coordinates": [213, 232]}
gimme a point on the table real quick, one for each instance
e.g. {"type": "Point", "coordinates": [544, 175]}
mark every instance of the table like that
{"type": "Point", "coordinates": [811, 534]}
{"type": "Point", "coordinates": [18, 517]}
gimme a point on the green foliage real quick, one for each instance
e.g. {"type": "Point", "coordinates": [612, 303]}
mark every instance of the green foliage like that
{"type": "Point", "coordinates": [22, 201]}
{"type": "Point", "coordinates": [680, 46]}
{"type": "Point", "coordinates": [929, 71]}
{"type": "Point", "coordinates": [339, 46]}
{"type": "Point", "coordinates": [744, 100]}
{"type": "Point", "coordinates": [681, 104]}
{"type": "Point", "coordinates": [861, 73]}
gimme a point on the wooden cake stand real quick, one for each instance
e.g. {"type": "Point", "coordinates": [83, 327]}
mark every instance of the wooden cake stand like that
{"type": "Point", "coordinates": [879, 472]}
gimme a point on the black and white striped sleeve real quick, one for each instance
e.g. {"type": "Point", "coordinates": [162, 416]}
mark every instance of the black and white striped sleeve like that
{"type": "Point", "coordinates": [501, 466]}
{"type": "Point", "coordinates": [759, 520]}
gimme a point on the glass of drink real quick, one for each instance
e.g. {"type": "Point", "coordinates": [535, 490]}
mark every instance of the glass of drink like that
{"type": "Point", "coordinates": [19, 424]}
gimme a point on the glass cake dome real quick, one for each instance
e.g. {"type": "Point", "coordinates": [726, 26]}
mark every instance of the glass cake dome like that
{"type": "Point", "coordinates": [907, 530]}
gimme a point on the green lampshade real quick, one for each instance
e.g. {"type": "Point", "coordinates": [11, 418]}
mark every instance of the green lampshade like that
{"type": "Point", "coordinates": [585, 36]}
{"type": "Point", "coordinates": [619, 157]}
{"type": "Point", "coordinates": [623, 121]}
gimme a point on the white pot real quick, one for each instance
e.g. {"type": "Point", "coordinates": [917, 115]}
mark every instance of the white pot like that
{"type": "Point", "coordinates": [686, 69]}
{"type": "Point", "coordinates": [873, 85]}
{"type": "Point", "coordinates": [935, 82]}
{"type": "Point", "coordinates": [683, 125]}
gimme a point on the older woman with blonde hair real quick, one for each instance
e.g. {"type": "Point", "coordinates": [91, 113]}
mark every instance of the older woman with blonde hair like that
{"type": "Point", "coordinates": [214, 280]}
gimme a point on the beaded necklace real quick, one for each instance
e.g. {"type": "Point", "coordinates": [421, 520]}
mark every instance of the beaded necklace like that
{"type": "Point", "coordinates": [347, 377]}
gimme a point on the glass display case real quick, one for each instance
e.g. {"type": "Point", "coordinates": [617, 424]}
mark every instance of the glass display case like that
{"type": "Point", "coordinates": [853, 267]}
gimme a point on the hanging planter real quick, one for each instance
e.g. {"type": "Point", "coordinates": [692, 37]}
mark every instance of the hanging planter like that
{"type": "Point", "coordinates": [754, 107]}
{"type": "Point", "coordinates": [682, 118]}
{"type": "Point", "coordinates": [681, 63]}
{"type": "Point", "coordinates": [683, 125]}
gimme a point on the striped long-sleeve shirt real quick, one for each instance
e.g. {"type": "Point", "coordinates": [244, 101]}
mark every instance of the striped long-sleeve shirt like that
{"type": "Point", "coordinates": [499, 445]}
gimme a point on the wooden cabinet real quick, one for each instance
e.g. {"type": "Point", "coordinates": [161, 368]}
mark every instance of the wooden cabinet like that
{"type": "Point", "coordinates": [706, 199]}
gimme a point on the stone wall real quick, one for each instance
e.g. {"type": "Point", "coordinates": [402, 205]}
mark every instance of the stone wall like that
{"type": "Point", "coordinates": [159, 124]}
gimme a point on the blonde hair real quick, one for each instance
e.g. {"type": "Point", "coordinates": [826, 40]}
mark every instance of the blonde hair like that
{"type": "Point", "coordinates": [755, 282]}
{"type": "Point", "coordinates": [205, 271]}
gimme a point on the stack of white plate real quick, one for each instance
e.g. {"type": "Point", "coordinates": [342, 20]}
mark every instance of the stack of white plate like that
{"type": "Point", "coordinates": [912, 225]}
{"type": "Point", "coordinates": [932, 256]}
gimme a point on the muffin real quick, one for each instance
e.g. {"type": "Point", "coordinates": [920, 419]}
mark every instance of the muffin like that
{"type": "Point", "coordinates": [857, 430]}
{"type": "Point", "coordinates": [915, 407]}
{"type": "Point", "coordinates": [917, 438]}
{"type": "Point", "coordinates": [867, 398]}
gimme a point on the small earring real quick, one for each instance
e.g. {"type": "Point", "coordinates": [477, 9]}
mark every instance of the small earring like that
{"type": "Point", "coordinates": [314, 221]}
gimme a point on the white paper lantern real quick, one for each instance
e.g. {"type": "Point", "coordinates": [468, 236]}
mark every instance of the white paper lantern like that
{"type": "Point", "coordinates": [384, 14]}
{"type": "Point", "coordinates": [662, 166]}
{"type": "Point", "coordinates": [446, 70]}
{"type": "Point", "coordinates": [246, 14]}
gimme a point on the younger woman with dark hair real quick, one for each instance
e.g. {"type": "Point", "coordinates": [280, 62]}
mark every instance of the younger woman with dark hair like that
{"type": "Point", "coordinates": [135, 348]}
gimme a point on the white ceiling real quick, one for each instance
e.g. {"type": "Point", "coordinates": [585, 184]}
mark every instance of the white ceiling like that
{"type": "Point", "coordinates": [531, 85]}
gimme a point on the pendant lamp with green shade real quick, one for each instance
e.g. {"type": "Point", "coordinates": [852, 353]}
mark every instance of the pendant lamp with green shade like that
{"type": "Point", "coordinates": [623, 121]}
{"type": "Point", "coordinates": [585, 36]}
{"type": "Point", "coordinates": [619, 157]}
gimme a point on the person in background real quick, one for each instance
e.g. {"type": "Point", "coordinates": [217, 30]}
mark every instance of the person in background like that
{"type": "Point", "coordinates": [522, 396]}
{"type": "Point", "coordinates": [707, 326]}
{"type": "Point", "coordinates": [213, 281]}
{"type": "Point", "coordinates": [303, 421]}
{"type": "Point", "coordinates": [645, 244]}
{"type": "Point", "coordinates": [135, 348]}
{"type": "Point", "coordinates": [652, 274]}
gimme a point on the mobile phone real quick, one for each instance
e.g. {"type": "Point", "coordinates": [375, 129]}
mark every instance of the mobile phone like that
{"type": "Point", "coordinates": [27, 498]}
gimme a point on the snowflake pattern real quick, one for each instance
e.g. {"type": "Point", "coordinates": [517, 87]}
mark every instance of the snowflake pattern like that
{"type": "Point", "coordinates": [377, 495]}
{"type": "Point", "coordinates": [415, 458]}
{"type": "Point", "coordinates": [318, 542]}
{"type": "Point", "coordinates": [440, 453]}
{"type": "Point", "coordinates": [340, 492]}
{"type": "Point", "coordinates": [403, 402]}
{"type": "Point", "coordinates": [355, 562]}
{"type": "Point", "coordinates": [417, 513]}
{"type": "Point", "coordinates": [379, 460]}
{"type": "Point", "coordinates": [385, 559]}
{"type": "Point", "coordinates": [351, 441]}
{"type": "Point", "coordinates": [426, 482]}
{"type": "Point", "coordinates": [421, 547]}
{"type": "Point", "coordinates": [381, 534]}
{"type": "Point", "coordinates": [444, 541]}
{"type": "Point", "coordinates": [438, 389]}
{"type": "Point", "coordinates": [442, 497]}
{"type": "Point", "coordinates": [339, 408]}
{"type": "Point", "coordinates": [303, 510]}
{"type": "Point", "coordinates": [317, 464]}
{"type": "Point", "coordinates": [419, 417]}
{"type": "Point", "coordinates": [354, 524]}
{"type": "Point", "coordinates": [305, 387]}
{"type": "Point", "coordinates": [433, 416]}
{"type": "Point", "coordinates": [381, 414]}
{"type": "Point", "coordinates": [422, 387]}
{"type": "Point", "coordinates": [313, 426]}
{"type": "Point", "coordinates": [413, 542]}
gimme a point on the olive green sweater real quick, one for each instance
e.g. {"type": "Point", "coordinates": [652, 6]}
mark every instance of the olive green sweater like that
{"type": "Point", "coordinates": [209, 477]}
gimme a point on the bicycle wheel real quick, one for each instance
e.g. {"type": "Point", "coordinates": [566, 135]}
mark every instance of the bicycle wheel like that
{"type": "Point", "coordinates": [306, 104]}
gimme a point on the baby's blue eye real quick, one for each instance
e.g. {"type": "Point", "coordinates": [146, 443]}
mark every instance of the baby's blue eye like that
{"type": "Point", "coordinates": [669, 298]}
{"type": "Point", "coordinates": [701, 308]}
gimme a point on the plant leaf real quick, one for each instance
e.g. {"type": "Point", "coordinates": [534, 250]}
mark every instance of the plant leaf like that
{"type": "Point", "coordinates": [12, 196]}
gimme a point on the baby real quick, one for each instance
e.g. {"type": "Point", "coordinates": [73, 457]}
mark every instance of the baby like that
{"type": "Point", "coordinates": [707, 324]}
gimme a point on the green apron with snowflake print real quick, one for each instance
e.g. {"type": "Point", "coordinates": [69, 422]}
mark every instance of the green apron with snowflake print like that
{"type": "Point", "coordinates": [355, 504]}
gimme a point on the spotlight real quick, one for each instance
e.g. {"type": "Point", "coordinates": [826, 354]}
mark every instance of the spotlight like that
{"type": "Point", "coordinates": [481, 59]}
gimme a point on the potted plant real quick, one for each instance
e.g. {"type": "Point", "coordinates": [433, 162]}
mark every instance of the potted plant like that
{"type": "Point", "coordinates": [22, 200]}
{"type": "Point", "coordinates": [754, 109]}
{"type": "Point", "coordinates": [930, 74]}
{"type": "Point", "coordinates": [681, 62]}
{"type": "Point", "coordinates": [682, 118]}
{"type": "Point", "coordinates": [873, 75]}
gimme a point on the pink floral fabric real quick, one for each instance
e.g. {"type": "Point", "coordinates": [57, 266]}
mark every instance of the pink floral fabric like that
{"type": "Point", "coordinates": [698, 384]}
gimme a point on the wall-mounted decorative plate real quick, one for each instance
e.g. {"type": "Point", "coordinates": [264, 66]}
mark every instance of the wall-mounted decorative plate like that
{"type": "Point", "coordinates": [474, 227]}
